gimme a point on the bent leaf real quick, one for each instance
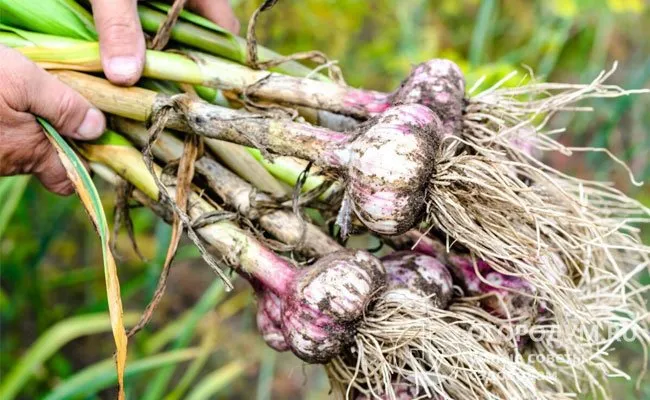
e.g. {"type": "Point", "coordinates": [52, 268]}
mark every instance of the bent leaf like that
{"type": "Point", "coordinates": [92, 203]}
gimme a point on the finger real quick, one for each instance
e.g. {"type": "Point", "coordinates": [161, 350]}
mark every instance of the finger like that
{"type": "Point", "coordinates": [121, 41]}
{"type": "Point", "coordinates": [32, 153]}
{"type": "Point", "coordinates": [52, 175]}
{"type": "Point", "coordinates": [28, 89]}
{"type": "Point", "coordinates": [29, 151]}
{"type": "Point", "coordinates": [218, 11]}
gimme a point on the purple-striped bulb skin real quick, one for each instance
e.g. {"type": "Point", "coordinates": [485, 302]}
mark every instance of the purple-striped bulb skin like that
{"type": "Point", "coordinates": [440, 85]}
{"type": "Point", "coordinates": [269, 320]}
{"type": "Point", "coordinates": [514, 295]}
{"type": "Point", "coordinates": [412, 275]}
{"type": "Point", "coordinates": [389, 168]}
{"type": "Point", "coordinates": [326, 301]}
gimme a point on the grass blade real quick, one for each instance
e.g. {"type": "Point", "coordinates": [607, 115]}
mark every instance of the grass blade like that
{"type": "Point", "coordinates": [11, 190]}
{"type": "Point", "coordinates": [193, 370]}
{"type": "Point", "coordinates": [49, 343]}
{"type": "Point", "coordinates": [216, 381]}
{"type": "Point", "coordinates": [482, 34]}
{"type": "Point", "coordinates": [212, 296]}
{"type": "Point", "coordinates": [87, 192]}
{"type": "Point", "coordinates": [265, 379]}
{"type": "Point", "coordinates": [14, 37]}
{"type": "Point", "coordinates": [102, 375]}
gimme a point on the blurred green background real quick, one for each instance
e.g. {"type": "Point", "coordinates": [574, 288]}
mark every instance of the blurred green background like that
{"type": "Point", "coordinates": [201, 342]}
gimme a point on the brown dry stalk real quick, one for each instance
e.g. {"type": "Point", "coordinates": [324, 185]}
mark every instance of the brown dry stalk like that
{"type": "Point", "coordinates": [159, 121]}
{"type": "Point", "coordinates": [251, 37]}
{"type": "Point", "coordinates": [184, 182]}
{"type": "Point", "coordinates": [122, 216]}
{"type": "Point", "coordinates": [165, 29]}
{"type": "Point", "coordinates": [240, 195]}
{"type": "Point", "coordinates": [252, 60]}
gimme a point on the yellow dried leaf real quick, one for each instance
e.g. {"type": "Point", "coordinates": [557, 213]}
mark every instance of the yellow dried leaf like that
{"type": "Point", "coordinates": [92, 203]}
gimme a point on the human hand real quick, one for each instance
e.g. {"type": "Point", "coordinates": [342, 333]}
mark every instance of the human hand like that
{"type": "Point", "coordinates": [27, 90]}
{"type": "Point", "coordinates": [121, 41]}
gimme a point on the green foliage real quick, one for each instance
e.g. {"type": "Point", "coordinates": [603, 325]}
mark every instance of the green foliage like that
{"type": "Point", "coordinates": [11, 190]}
{"type": "Point", "coordinates": [56, 17]}
{"type": "Point", "coordinates": [49, 343]}
{"type": "Point", "coordinates": [102, 375]}
{"type": "Point", "coordinates": [212, 296]}
{"type": "Point", "coordinates": [214, 383]}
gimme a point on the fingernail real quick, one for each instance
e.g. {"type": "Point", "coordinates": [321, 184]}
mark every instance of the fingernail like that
{"type": "Point", "coordinates": [123, 67]}
{"type": "Point", "coordinates": [93, 124]}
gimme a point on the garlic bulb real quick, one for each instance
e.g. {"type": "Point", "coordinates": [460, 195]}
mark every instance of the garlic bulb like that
{"type": "Point", "coordinates": [440, 85]}
{"type": "Point", "coordinates": [269, 320]}
{"type": "Point", "coordinates": [326, 301]}
{"type": "Point", "coordinates": [389, 168]}
{"type": "Point", "coordinates": [411, 275]}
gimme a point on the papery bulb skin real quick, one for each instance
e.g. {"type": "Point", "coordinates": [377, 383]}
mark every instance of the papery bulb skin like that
{"type": "Point", "coordinates": [418, 242]}
{"type": "Point", "coordinates": [413, 275]}
{"type": "Point", "coordinates": [511, 304]}
{"type": "Point", "coordinates": [390, 166]}
{"type": "Point", "coordinates": [269, 320]}
{"type": "Point", "coordinates": [326, 301]}
{"type": "Point", "coordinates": [440, 85]}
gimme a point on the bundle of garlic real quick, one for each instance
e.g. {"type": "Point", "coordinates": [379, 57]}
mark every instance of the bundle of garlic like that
{"type": "Point", "coordinates": [505, 278]}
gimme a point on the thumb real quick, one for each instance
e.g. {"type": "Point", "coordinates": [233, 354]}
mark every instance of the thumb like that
{"type": "Point", "coordinates": [69, 112]}
{"type": "Point", "coordinates": [121, 41]}
{"type": "Point", "coordinates": [39, 93]}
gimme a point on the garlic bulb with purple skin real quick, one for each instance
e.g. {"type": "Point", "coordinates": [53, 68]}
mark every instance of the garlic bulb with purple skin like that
{"type": "Point", "coordinates": [413, 276]}
{"type": "Point", "coordinates": [514, 296]}
{"type": "Point", "coordinates": [269, 320]}
{"type": "Point", "coordinates": [440, 85]}
{"type": "Point", "coordinates": [389, 166]}
{"type": "Point", "coordinates": [318, 307]}
{"type": "Point", "coordinates": [326, 301]}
